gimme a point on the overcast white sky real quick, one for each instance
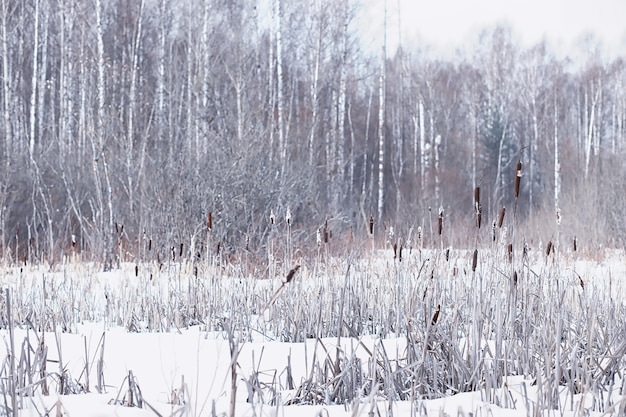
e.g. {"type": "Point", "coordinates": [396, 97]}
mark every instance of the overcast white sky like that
{"type": "Point", "coordinates": [447, 25]}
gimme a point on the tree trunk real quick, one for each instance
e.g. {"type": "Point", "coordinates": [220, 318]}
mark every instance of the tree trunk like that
{"type": "Point", "coordinates": [381, 122]}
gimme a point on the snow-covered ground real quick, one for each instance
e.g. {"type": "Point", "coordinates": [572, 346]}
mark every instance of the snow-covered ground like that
{"type": "Point", "coordinates": [116, 340]}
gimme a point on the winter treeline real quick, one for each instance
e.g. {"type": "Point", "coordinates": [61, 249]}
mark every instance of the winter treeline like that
{"type": "Point", "coordinates": [125, 122]}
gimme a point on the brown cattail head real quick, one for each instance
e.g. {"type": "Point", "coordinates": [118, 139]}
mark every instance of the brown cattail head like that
{"type": "Point", "coordinates": [509, 250]}
{"type": "Point", "coordinates": [325, 233]}
{"type": "Point", "coordinates": [440, 221]}
{"type": "Point", "coordinates": [149, 245]}
{"type": "Point", "coordinates": [136, 270]}
{"type": "Point", "coordinates": [548, 248]}
{"type": "Point", "coordinates": [518, 177]}
{"type": "Point", "coordinates": [515, 278]}
{"type": "Point", "coordinates": [501, 217]}
{"type": "Point", "coordinates": [476, 196]}
{"type": "Point", "coordinates": [436, 315]}
{"type": "Point", "coordinates": [575, 244]}
{"type": "Point", "coordinates": [447, 254]}
{"type": "Point", "coordinates": [209, 221]}
{"type": "Point", "coordinates": [400, 253]}
{"type": "Point", "coordinates": [371, 229]}
{"type": "Point", "coordinates": [474, 260]}
{"type": "Point", "coordinates": [180, 253]}
{"type": "Point", "coordinates": [395, 250]}
{"type": "Point", "coordinates": [291, 273]}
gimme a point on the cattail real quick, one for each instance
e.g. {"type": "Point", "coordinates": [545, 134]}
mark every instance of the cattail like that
{"type": "Point", "coordinates": [548, 248]}
{"type": "Point", "coordinates": [136, 270]}
{"type": "Point", "coordinates": [371, 225]}
{"type": "Point", "coordinates": [474, 260]}
{"type": "Point", "coordinates": [395, 250]}
{"type": "Point", "coordinates": [518, 177]}
{"type": "Point", "coordinates": [440, 221]}
{"type": "Point", "coordinates": [288, 216]}
{"type": "Point", "coordinates": [291, 273]}
{"type": "Point", "coordinates": [509, 249]}
{"type": "Point", "coordinates": [447, 254]}
{"type": "Point", "coordinates": [400, 253]}
{"type": "Point", "coordinates": [575, 245]}
{"type": "Point", "coordinates": [209, 221]}
{"type": "Point", "coordinates": [180, 253]}
{"type": "Point", "coordinates": [501, 217]}
{"type": "Point", "coordinates": [149, 245]}
{"type": "Point", "coordinates": [476, 196]}
{"type": "Point", "coordinates": [436, 315]}
{"type": "Point", "coordinates": [326, 234]}
{"type": "Point", "coordinates": [515, 278]}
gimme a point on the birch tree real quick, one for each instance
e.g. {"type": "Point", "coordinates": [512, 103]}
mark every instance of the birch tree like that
{"type": "Point", "coordinates": [382, 80]}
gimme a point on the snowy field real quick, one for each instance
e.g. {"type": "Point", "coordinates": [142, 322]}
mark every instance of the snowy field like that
{"type": "Point", "coordinates": [437, 334]}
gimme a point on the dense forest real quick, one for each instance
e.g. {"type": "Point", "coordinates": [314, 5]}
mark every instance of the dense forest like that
{"type": "Point", "coordinates": [130, 127]}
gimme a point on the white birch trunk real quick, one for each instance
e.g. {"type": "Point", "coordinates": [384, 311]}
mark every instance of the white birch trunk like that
{"type": "Point", "coordinates": [5, 145]}
{"type": "Point", "coordinates": [314, 95]}
{"type": "Point", "coordinates": [282, 146]}
{"type": "Point", "coordinates": [132, 105]}
{"type": "Point", "coordinates": [381, 122]}
{"type": "Point", "coordinates": [557, 162]}
{"type": "Point", "coordinates": [422, 148]}
{"type": "Point", "coordinates": [34, 79]}
{"type": "Point", "coordinates": [368, 119]}
{"type": "Point", "coordinates": [589, 140]}
{"type": "Point", "coordinates": [99, 151]}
